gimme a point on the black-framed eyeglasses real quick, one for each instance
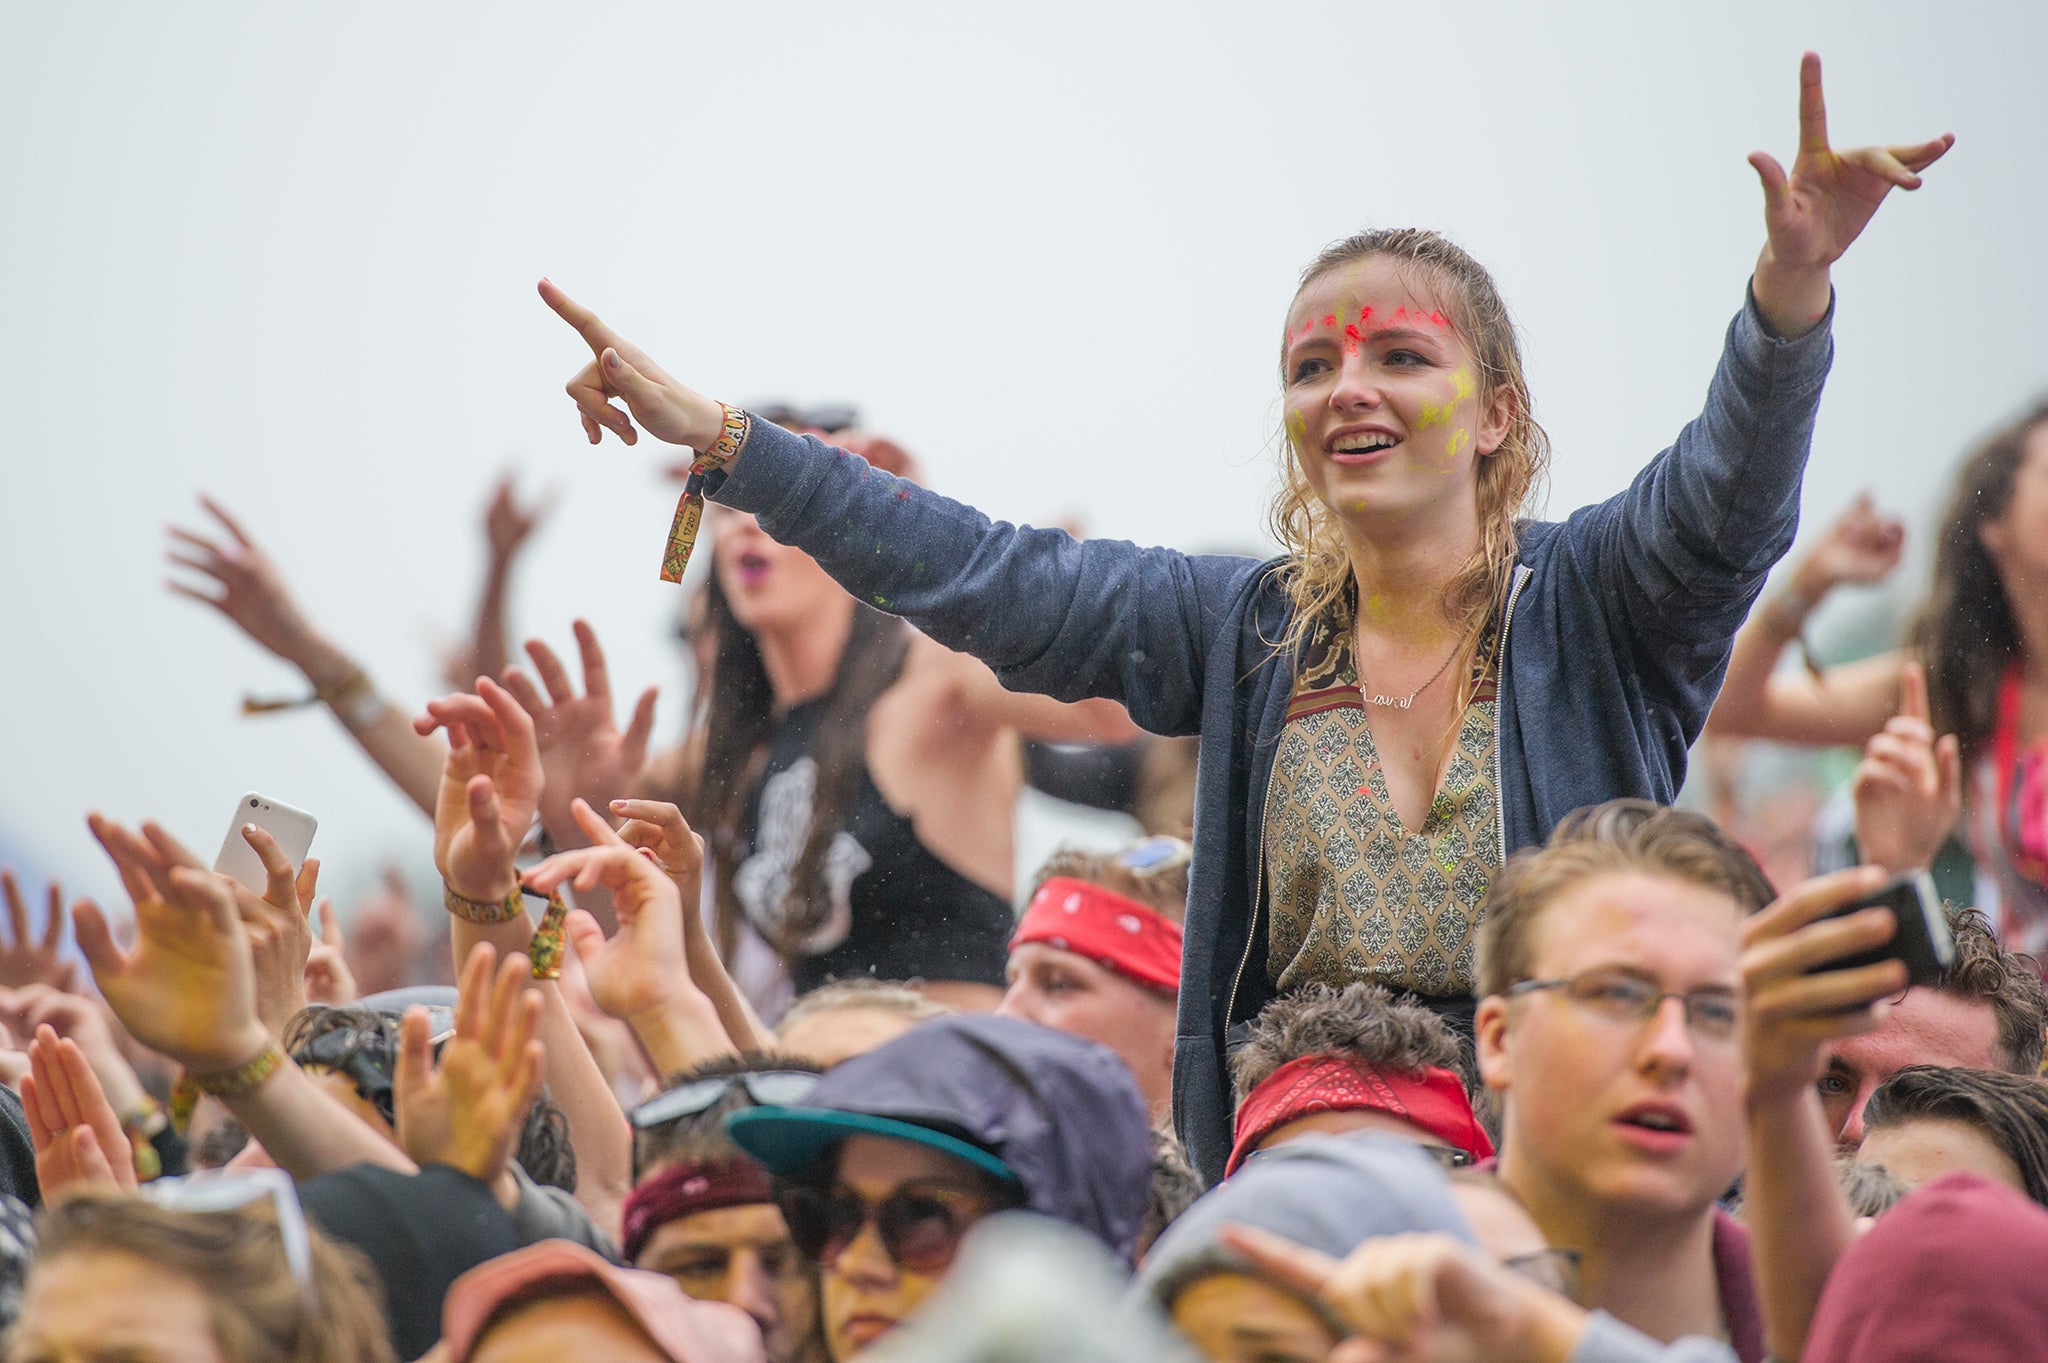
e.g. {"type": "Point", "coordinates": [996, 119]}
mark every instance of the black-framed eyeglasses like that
{"type": "Point", "coordinates": [1620, 996]}
{"type": "Point", "coordinates": [765, 1088]}
{"type": "Point", "coordinates": [920, 1228]}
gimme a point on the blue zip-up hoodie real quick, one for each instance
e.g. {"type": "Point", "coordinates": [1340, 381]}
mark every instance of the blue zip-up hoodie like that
{"type": "Point", "coordinates": [1619, 624]}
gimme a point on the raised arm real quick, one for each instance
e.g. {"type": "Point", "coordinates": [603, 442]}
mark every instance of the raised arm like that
{"type": "Point", "coordinates": [507, 527]}
{"type": "Point", "coordinates": [488, 794]}
{"type": "Point", "coordinates": [1793, 1005]}
{"type": "Point", "coordinates": [1049, 614]}
{"type": "Point", "coordinates": [1845, 704]}
{"type": "Point", "coordinates": [1686, 548]}
{"type": "Point", "coordinates": [238, 579]}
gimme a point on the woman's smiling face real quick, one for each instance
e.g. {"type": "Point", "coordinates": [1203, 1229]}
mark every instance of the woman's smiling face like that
{"type": "Point", "coordinates": [1385, 412]}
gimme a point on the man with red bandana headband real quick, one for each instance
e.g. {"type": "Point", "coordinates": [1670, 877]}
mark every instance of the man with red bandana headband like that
{"type": "Point", "coordinates": [1097, 954]}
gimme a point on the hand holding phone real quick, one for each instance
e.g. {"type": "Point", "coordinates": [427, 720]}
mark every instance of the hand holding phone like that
{"type": "Point", "coordinates": [292, 827]}
{"type": "Point", "coordinates": [1922, 940]}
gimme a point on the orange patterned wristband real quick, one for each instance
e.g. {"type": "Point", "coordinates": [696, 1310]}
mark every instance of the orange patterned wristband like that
{"type": "Point", "coordinates": [689, 517]}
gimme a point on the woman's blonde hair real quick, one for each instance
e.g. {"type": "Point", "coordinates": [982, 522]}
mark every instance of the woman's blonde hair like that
{"type": "Point", "coordinates": [237, 1261]}
{"type": "Point", "coordinates": [1510, 479]}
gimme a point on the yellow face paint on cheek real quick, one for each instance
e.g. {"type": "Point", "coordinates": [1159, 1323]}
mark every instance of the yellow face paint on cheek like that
{"type": "Point", "coordinates": [1460, 438]}
{"type": "Point", "coordinates": [1434, 415]}
{"type": "Point", "coordinates": [1297, 429]}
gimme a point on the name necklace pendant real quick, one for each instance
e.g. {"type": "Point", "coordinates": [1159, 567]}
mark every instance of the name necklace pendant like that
{"type": "Point", "coordinates": [1403, 702]}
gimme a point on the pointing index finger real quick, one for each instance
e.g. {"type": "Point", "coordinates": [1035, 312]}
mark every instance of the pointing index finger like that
{"type": "Point", "coordinates": [594, 332]}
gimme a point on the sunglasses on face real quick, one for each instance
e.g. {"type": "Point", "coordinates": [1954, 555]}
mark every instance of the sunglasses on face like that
{"type": "Point", "coordinates": [920, 1228]}
{"type": "Point", "coordinates": [765, 1088]}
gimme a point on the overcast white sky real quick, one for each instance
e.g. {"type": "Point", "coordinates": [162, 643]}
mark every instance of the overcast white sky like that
{"type": "Point", "coordinates": [287, 253]}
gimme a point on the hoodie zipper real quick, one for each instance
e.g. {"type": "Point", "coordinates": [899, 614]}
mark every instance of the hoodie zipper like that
{"type": "Point", "coordinates": [1258, 902]}
{"type": "Point", "coordinates": [1507, 619]}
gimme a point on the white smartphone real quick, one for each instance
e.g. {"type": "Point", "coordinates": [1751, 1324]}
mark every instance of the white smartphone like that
{"type": "Point", "coordinates": [291, 826]}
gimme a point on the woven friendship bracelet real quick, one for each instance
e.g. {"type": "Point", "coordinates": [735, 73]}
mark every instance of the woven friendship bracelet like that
{"type": "Point", "coordinates": [545, 950]}
{"type": "Point", "coordinates": [246, 1078]}
{"type": "Point", "coordinates": [483, 910]}
{"type": "Point", "coordinates": [682, 531]}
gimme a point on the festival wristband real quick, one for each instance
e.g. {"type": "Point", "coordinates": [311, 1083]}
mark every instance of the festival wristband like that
{"type": "Point", "coordinates": [483, 911]}
{"type": "Point", "coordinates": [689, 517]}
{"type": "Point", "coordinates": [245, 1078]}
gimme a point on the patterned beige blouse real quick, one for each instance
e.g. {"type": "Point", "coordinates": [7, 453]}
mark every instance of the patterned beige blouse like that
{"type": "Point", "coordinates": [1354, 894]}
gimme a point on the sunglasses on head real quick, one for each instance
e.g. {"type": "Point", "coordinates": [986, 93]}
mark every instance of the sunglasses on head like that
{"type": "Point", "coordinates": [765, 1088]}
{"type": "Point", "coordinates": [920, 1228]}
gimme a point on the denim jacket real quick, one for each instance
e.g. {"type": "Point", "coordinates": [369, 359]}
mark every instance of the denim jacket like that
{"type": "Point", "coordinates": [1619, 624]}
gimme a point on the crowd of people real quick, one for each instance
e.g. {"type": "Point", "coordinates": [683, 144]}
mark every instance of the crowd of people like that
{"type": "Point", "coordinates": [1421, 1023]}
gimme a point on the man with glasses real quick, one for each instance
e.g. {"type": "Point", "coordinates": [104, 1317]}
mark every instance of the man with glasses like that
{"type": "Point", "coordinates": [897, 1153]}
{"type": "Point", "coordinates": [1609, 970]}
{"type": "Point", "coordinates": [702, 1211]}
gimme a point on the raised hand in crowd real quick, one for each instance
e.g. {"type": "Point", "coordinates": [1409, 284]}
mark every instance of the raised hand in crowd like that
{"type": "Point", "coordinates": [507, 527]}
{"type": "Point", "coordinates": [659, 828]}
{"type": "Point", "coordinates": [1419, 1297]}
{"type": "Point", "coordinates": [1908, 788]}
{"type": "Point", "coordinates": [28, 959]}
{"type": "Point", "coordinates": [77, 1135]}
{"type": "Point", "coordinates": [489, 787]}
{"type": "Point", "coordinates": [187, 989]}
{"type": "Point", "coordinates": [582, 750]}
{"type": "Point", "coordinates": [1844, 704]}
{"type": "Point", "coordinates": [327, 977]}
{"type": "Point", "coordinates": [1793, 1006]}
{"type": "Point", "coordinates": [237, 578]}
{"type": "Point", "coordinates": [466, 1109]}
{"type": "Point", "coordinates": [1814, 214]}
{"type": "Point", "coordinates": [87, 1024]}
{"type": "Point", "coordinates": [280, 935]}
{"type": "Point", "coordinates": [640, 975]}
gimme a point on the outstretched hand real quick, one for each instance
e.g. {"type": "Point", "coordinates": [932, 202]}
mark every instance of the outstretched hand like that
{"type": "Point", "coordinates": [1814, 213]}
{"type": "Point", "coordinates": [26, 959]}
{"type": "Point", "coordinates": [620, 369]}
{"type": "Point", "coordinates": [238, 579]}
{"type": "Point", "coordinates": [641, 969]}
{"type": "Point", "coordinates": [1793, 1003]}
{"type": "Point", "coordinates": [188, 988]}
{"type": "Point", "coordinates": [467, 1110]}
{"type": "Point", "coordinates": [583, 753]}
{"type": "Point", "coordinates": [1862, 546]}
{"type": "Point", "coordinates": [1908, 788]}
{"type": "Point", "coordinates": [78, 1140]}
{"type": "Point", "coordinates": [280, 935]}
{"type": "Point", "coordinates": [490, 786]}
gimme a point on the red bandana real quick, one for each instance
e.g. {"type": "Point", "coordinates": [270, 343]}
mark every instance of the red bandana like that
{"type": "Point", "coordinates": [686, 1188]}
{"type": "Point", "coordinates": [1134, 940]}
{"type": "Point", "coordinates": [1433, 1100]}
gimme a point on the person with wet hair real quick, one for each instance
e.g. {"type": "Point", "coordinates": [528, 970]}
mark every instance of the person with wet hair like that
{"type": "Point", "coordinates": [1427, 679]}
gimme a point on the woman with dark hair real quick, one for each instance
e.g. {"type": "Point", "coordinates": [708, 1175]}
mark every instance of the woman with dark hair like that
{"type": "Point", "coordinates": [1373, 744]}
{"type": "Point", "coordinates": [858, 782]}
{"type": "Point", "coordinates": [1981, 638]}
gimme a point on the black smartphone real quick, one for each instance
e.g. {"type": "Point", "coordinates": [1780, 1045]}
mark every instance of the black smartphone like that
{"type": "Point", "coordinates": [1922, 941]}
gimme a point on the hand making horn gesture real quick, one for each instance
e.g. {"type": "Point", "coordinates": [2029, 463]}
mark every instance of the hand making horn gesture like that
{"type": "Point", "coordinates": [1813, 214]}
